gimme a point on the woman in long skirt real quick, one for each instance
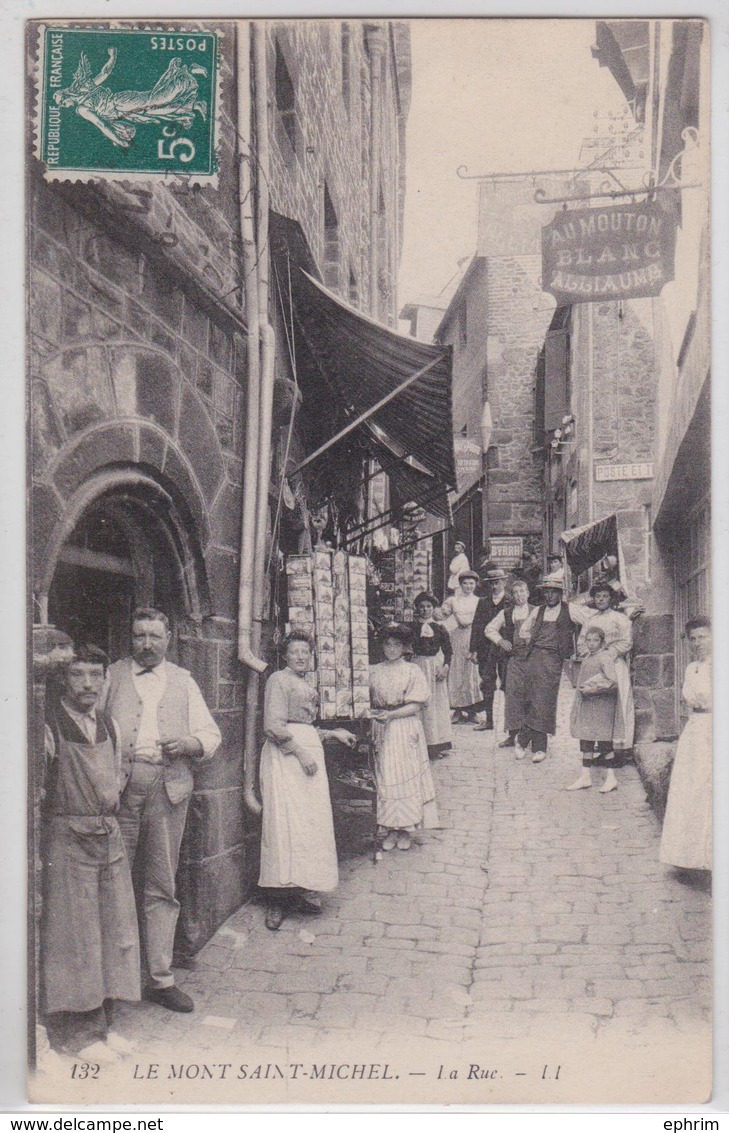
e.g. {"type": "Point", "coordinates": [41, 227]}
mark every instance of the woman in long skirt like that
{"type": "Point", "coordinates": [686, 841]}
{"type": "Point", "coordinates": [464, 690]}
{"type": "Point", "coordinates": [298, 852]}
{"type": "Point", "coordinates": [405, 790]}
{"type": "Point", "coordinates": [432, 653]}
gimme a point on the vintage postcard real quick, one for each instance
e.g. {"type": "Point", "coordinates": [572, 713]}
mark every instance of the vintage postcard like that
{"type": "Point", "coordinates": [370, 715]}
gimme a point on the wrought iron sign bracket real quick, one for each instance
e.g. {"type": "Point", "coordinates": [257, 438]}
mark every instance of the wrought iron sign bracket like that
{"type": "Point", "coordinates": [670, 180]}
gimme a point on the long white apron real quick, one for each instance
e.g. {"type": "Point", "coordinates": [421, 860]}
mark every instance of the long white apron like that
{"type": "Point", "coordinates": [297, 839]}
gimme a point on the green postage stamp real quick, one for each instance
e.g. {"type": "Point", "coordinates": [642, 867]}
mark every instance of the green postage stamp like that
{"type": "Point", "coordinates": [127, 104]}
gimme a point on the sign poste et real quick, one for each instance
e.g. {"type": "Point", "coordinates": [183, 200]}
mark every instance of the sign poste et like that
{"type": "Point", "coordinates": [617, 252]}
{"type": "Point", "coordinates": [642, 471]}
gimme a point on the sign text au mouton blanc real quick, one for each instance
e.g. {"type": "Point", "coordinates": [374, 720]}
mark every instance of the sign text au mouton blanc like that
{"type": "Point", "coordinates": [620, 252]}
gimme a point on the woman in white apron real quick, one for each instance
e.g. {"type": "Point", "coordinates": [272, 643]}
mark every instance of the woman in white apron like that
{"type": "Point", "coordinates": [298, 852]}
{"type": "Point", "coordinates": [686, 841]}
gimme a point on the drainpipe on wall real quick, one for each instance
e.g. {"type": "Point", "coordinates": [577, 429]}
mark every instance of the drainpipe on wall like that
{"type": "Point", "coordinates": [376, 47]}
{"type": "Point", "coordinates": [250, 289]}
{"type": "Point", "coordinates": [266, 374]}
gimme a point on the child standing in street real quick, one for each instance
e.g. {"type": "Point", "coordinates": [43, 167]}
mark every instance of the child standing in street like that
{"type": "Point", "coordinates": [594, 712]}
{"type": "Point", "coordinates": [405, 790]}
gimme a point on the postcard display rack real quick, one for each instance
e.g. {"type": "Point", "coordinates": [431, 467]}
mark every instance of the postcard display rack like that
{"type": "Point", "coordinates": [327, 598]}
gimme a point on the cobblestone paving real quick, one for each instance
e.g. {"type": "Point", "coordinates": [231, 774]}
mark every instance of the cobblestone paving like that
{"type": "Point", "coordinates": [573, 929]}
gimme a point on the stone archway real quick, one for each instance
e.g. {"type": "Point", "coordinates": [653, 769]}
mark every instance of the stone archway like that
{"type": "Point", "coordinates": [125, 542]}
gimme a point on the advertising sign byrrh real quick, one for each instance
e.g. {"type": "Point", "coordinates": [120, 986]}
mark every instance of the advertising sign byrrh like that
{"type": "Point", "coordinates": [506, 550]}
{"type": "Point", "coordinates": [617, 252]}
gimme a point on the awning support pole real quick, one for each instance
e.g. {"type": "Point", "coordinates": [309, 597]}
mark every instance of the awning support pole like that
{"type": "Point", "coordinates": [360, 420]}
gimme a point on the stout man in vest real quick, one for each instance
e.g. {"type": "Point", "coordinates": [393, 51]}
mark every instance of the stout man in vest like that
{"type": "Point", "coordinates": [166, 729]}
{"type": "Point", "coordinates": [550, 632]}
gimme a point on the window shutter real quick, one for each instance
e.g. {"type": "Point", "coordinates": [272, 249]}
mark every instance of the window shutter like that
{"type": "Point", "coordinates": [556, 378]}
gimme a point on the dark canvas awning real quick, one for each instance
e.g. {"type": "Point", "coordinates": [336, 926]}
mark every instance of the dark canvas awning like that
{"type": "Point", "coordinates": [585, 546]}
{"type": "Point", "coordinates": [359, 363]}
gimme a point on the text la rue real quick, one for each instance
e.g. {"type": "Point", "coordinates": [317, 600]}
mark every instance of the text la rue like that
{"type": "Point", "coordinates": [479, 1073]}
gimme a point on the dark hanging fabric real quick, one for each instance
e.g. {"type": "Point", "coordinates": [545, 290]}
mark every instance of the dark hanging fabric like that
{"type": "Point", "coordinates": [585, 546]}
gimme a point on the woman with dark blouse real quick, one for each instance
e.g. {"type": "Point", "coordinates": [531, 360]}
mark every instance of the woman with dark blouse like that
{"type": "Point", "coordinates": [298, 852]}
{"type": "Point", "coordinates": [432, 653]}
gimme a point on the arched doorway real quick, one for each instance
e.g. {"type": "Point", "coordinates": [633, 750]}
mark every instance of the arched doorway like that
{"type": "Point", "coordinates": [128, 547]}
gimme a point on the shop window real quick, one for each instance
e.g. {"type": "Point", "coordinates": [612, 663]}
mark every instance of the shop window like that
{"type": "Point", "coordinates": [557, 384]}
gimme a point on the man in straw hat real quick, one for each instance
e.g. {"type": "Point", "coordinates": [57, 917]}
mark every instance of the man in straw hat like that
{"type": "Point", "coordinates": [551, 640]}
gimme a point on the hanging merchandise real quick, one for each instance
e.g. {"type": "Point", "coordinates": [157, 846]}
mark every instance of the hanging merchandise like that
{"type": "Point", "coordinates": [327, 599]}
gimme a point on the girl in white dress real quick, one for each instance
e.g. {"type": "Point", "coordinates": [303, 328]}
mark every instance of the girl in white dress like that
{"type": "Point", "coordinates": [405, 791]}
{"type": "Point", "coordinates": [686, 840]}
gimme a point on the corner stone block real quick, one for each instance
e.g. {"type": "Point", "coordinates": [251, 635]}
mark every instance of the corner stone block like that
{"type": "Point", "coordinates": [111, 444]}
{"type": "Point", "coordinates": [151, 447]}
{"type": "Point", "coordinates": [645, 725]}
{"type": "Point", "coordinates": [668, 670]}
{"type": "Point", "coordinates": [209, 893]}
{"type": "Point", "coordinates": [225, 769]}
{"type": "Point", "coordinates": [647, 671]}
{"type": "Point", "coordinates": [664, 710]}
{"type": "Point", "coordinates": [200, 443]}
{"type": "Point", "coordinates": [222, 567]}
{"type": "Point", "coordinates": [157, 385]}
{"type": "Point", "coordinates": [654, 633]}
{"type": "Point", "coordinates": [201, 658]}
{"type": "Point", "coordinates": [216, 822]}
{"type": "Point", "coordinates": [46, 512]}
{"type": "Point", "coordinates": [179, 473]}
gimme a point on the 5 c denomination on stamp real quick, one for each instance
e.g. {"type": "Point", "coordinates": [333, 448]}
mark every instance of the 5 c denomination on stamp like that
{"type": "Point", "coordinates": [127, 104]}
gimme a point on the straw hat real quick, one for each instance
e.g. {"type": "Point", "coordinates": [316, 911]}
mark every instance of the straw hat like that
{"type": "Point", "coordinates": [552, 582]}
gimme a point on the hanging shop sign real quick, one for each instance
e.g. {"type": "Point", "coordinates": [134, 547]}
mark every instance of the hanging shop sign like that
{"type": "Point", "coordinates": [506, 550]}
{"type": "Point", "coordinates": [617, 252]}
{"type": "Point", "coordinates": [469, 462]}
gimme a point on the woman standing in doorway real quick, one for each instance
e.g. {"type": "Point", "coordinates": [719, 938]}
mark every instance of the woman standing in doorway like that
{"type": "Point", "coordinates": [432, 653]}
{"type": "Point", "coordinates": [459, 611]}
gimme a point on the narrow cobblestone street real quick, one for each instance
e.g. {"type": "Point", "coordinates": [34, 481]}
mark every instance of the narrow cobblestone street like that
{"type": "Point", "coordinates": [536, 928]}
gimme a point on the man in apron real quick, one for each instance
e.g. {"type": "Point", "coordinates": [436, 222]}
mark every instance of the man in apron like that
{"type": "Point", "coordinates": [551, 634]}
{"type": "Point", "coordinates": [89, 938]}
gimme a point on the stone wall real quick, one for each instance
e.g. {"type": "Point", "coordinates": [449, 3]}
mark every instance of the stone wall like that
{"type": "Point", "coordinates": [329, 65]}
{"type": "Point", "coordinates": [138, 383]}
{"type": "Point", "coordinates": [129, 373]}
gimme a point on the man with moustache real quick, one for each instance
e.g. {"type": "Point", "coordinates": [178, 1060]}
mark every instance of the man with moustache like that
{"type": "Point", "coordinates": [166, 729]}
{"type": "Point", "coordinates": [550, 633]}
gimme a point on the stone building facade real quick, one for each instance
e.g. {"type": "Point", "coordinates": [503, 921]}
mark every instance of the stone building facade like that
{"type": "Point", "coordinates": [648, 362]}
{"type": "Point", "coordinates": [496, 323]}
{"type": "Point", "coordinates": [138, 376]}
